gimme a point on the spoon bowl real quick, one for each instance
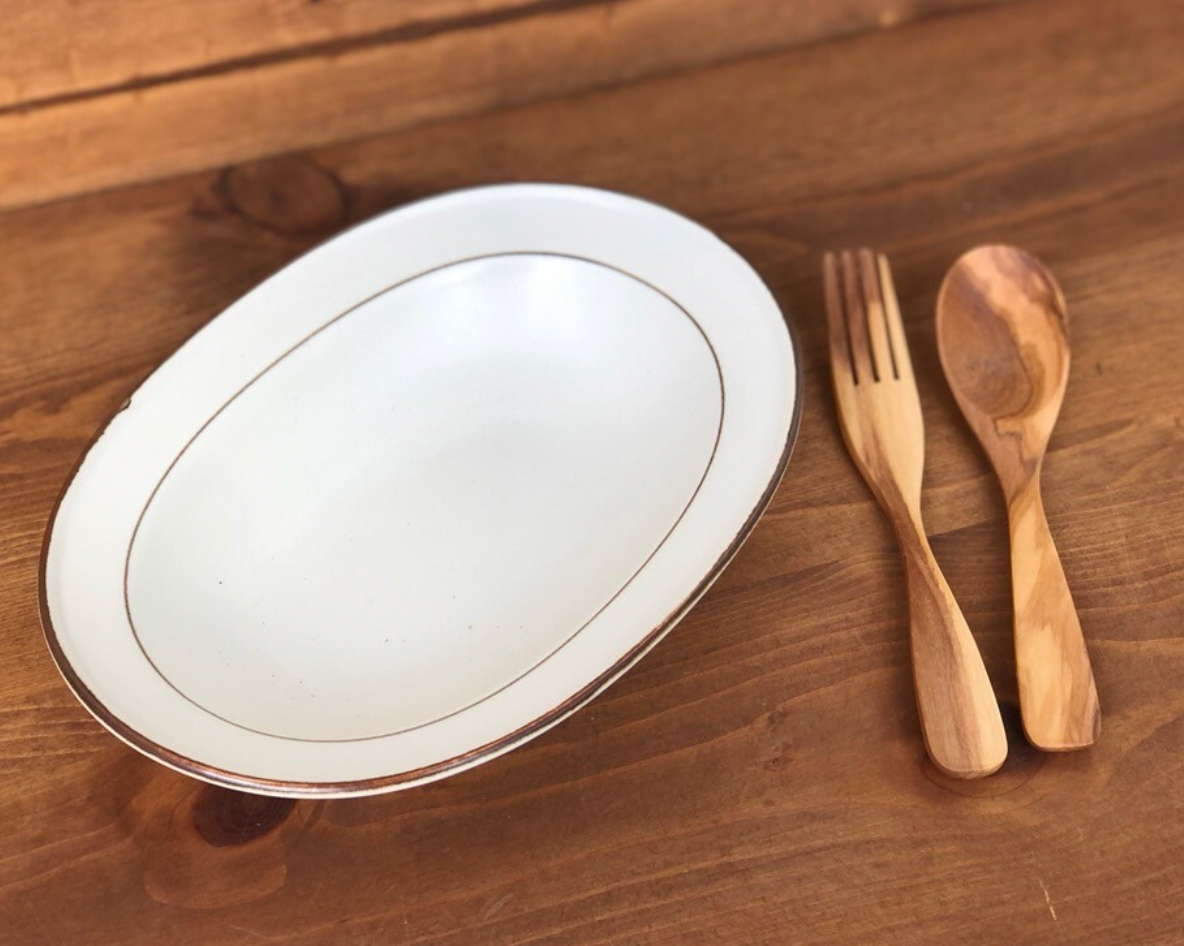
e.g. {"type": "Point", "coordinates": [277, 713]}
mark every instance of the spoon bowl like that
{"type": "Point", "coordinates": [1003, 333]}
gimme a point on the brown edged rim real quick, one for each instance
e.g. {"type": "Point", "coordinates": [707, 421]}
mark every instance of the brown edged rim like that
{"type": "Point", "coordinates": [301, 789]}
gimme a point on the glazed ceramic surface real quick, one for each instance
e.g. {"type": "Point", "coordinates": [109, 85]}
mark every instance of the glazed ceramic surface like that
{"type": "Point", "coordinates": [423, 493]}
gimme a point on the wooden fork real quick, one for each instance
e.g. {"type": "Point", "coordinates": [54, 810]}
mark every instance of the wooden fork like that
{"type": "Point", "coordinates": [881, 421]}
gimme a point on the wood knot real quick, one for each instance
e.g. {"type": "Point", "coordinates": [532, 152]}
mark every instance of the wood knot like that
{"type": "Point", "coordinates": [225, 818]}
{"type": "Point", "coordinates": [288, 195]}
{"type": "Point", "coordinates": [204, 847]}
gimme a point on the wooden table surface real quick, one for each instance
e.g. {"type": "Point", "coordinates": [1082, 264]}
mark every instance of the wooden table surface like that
{"type": "Point", "coordinates": [759, 778]}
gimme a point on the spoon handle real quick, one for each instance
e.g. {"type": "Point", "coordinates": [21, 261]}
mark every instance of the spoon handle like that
{"type": "Point", "coordinates": [959, 715]}
{"type": "Point", "coordinates": [1058, 697]}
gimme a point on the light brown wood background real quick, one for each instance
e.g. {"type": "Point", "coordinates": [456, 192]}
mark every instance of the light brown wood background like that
{"type": "Point", "coordinates": [760, 777]}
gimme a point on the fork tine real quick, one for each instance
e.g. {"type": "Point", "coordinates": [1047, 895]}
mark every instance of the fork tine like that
{"type": "Point", "coordinates": [840, 353]}
{"type": "Point", "coordinates": [882, 362]}
{"type": "Point", "coordinates": [861, 355]}
{"type": "Point", "coordinates": [900, 345]}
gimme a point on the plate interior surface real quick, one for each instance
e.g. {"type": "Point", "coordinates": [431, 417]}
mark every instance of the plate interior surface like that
{"type": "Point", "coordinates": [426, 499]}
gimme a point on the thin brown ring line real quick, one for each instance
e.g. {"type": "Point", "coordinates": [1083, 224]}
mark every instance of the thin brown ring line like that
{"type": "Point", "coordinates": [309, 337]}
{"type": "Point", "coordinates": [304, 789]}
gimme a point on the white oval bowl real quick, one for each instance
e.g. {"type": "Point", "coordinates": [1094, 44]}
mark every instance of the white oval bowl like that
{"type": "Point", "coordinates": [423, 493]}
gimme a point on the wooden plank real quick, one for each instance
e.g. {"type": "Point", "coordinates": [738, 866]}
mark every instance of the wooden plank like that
{"type": "Point", "coordinates": [202, 86]}
{"type": "Point", "coordinates": [759, 778]}
{"type": "Point", "coordinates": [52, 49]}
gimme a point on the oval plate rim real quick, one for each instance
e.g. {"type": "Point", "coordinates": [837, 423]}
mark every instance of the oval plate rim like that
{"type": "Point", "coordinates": [293, 788]}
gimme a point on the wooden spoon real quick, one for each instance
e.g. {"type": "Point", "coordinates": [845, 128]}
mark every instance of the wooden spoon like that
{"type": "Point", "coordinates": [1003, 335]}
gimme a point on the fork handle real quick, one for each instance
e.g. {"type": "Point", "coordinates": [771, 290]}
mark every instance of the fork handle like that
{"type": "Point", "coordinates": [1058, 697]}
{"type": "Point", "coordinates": [959, 715]}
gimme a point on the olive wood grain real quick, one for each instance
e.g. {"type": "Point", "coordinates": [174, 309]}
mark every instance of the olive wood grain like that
{"type": "Point", "coordinates": [880, 414]}
{"type": "Point", "coordinates": [1002, 329]}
